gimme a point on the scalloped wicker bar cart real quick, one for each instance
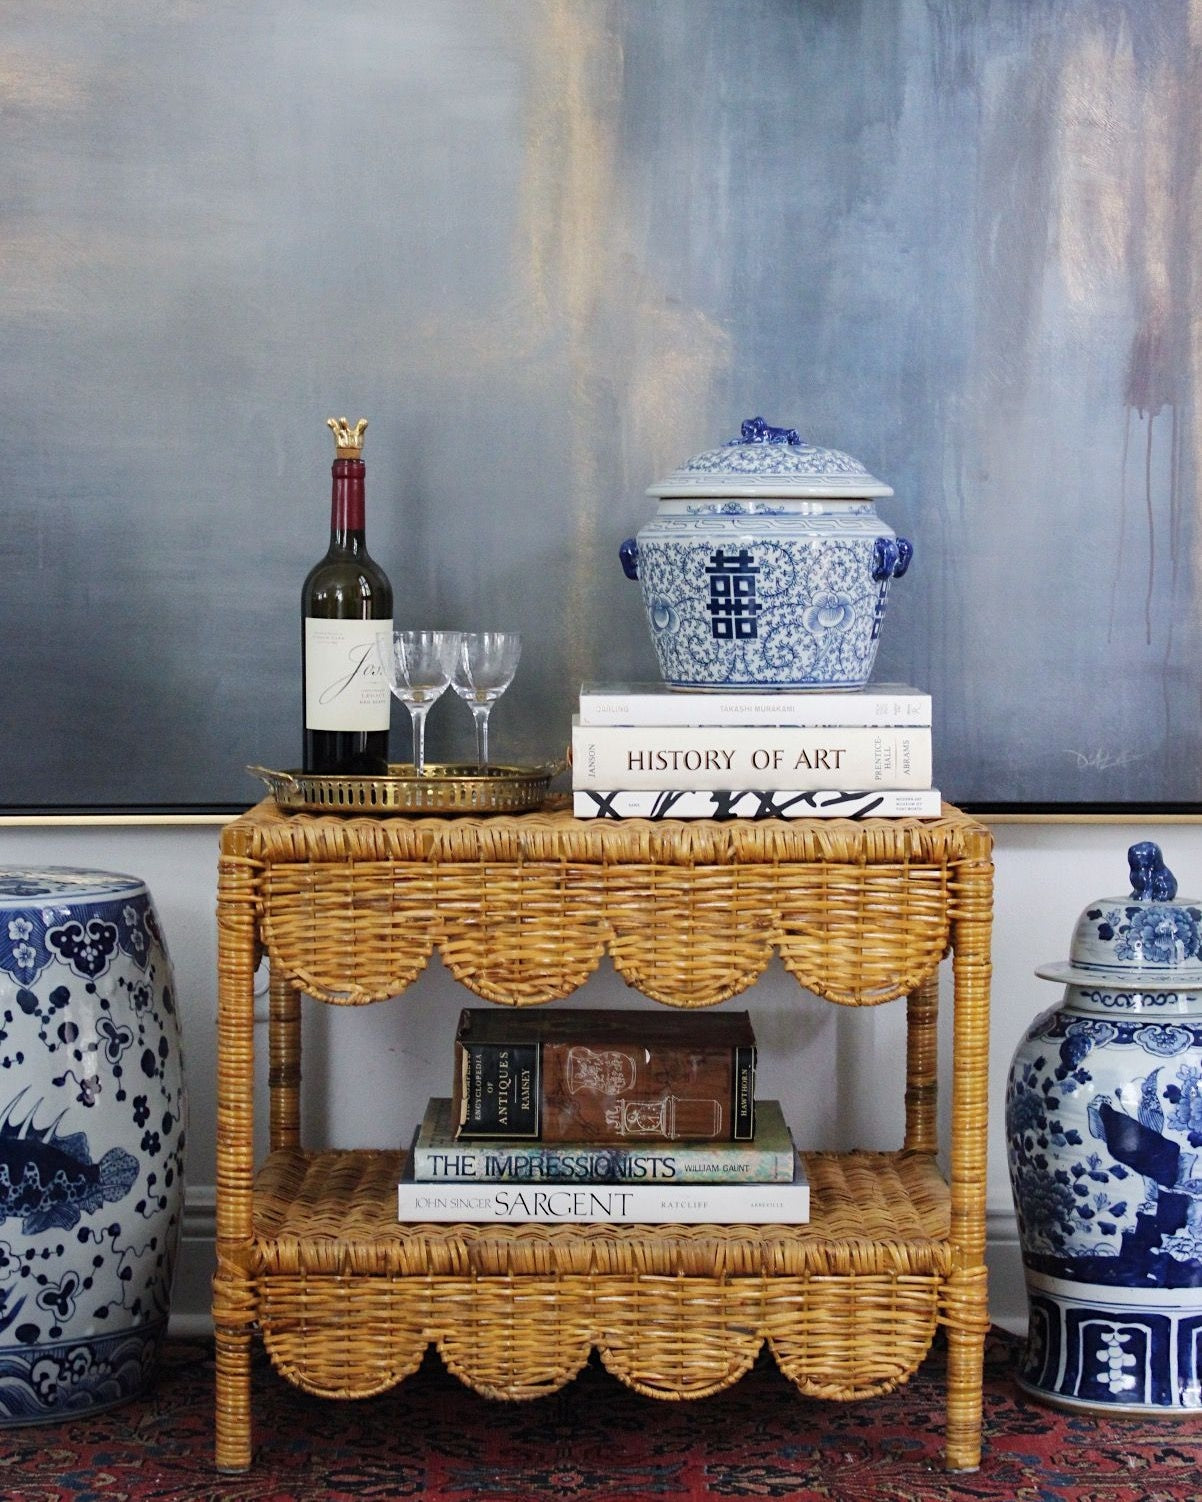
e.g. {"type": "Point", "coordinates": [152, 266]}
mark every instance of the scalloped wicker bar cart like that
{"type": "Point", "coordinates": [522, 908]}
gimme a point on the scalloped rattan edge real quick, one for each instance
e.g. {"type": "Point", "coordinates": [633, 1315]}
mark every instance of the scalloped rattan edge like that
{"type": "Point", "coordinates": [522, 909]}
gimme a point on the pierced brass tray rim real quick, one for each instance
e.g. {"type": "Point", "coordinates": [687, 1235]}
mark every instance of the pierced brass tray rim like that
{"type": "Point", "coordinates": [443, 788]}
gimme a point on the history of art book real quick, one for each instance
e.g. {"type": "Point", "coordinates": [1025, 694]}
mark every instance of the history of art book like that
{"type": "Point", "coordinates": [590, 1075]}
{"type": "Point", "coordinates": [750, 756]}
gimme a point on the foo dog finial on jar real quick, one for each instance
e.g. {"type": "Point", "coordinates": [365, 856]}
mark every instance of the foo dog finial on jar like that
{"type": "Point", "coordinates": [1151, 879]}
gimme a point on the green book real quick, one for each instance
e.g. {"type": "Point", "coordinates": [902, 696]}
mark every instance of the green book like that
{"type": "Point", "coordinates": [439, 1157]}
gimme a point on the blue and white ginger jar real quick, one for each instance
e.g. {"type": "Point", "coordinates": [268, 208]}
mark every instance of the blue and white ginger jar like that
{"type": "Point", "coordinates": [766, 566]}
{"type": "Point", "coordinates": [1104, 1140]}
{"type": "Point", "coordinates": [92, 1124]}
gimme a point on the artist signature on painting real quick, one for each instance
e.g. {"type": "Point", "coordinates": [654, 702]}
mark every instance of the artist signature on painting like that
{"type": "Point", "coordinates": [1102, 760]}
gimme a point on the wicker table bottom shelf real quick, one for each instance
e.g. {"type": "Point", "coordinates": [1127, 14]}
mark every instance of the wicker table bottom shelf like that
{"type": "Point", "coordinates": [347, 1300]}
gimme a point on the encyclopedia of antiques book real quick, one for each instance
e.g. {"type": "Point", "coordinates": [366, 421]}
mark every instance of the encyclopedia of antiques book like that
{"type": "Point", "coordinates": [750, 756]}
{"type": "Point", "coordinates": [658, 704]}
{"type": "Point", "coordinates": [663, 1204]}
{"type": "Point", "coordinates": [590, 1075]}
{"type": "Point", "coordinates": [772, 803]}
{"type": "Point", "coordinates": [439, 1156]}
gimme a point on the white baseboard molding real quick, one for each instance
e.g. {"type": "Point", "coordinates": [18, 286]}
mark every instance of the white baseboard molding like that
{"type": "Point", "coordinates": [191, 1297]}
{"type": "Point", "coordinates": [190, 1304]}
{"type": "Point", "coordinates": [1007, 1286]}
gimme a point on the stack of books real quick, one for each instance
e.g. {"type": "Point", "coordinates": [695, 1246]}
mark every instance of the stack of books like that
{"type": "Point", "coordinates": [643, 750]}
{"type": "Point", "coordinates": [585, 1115]}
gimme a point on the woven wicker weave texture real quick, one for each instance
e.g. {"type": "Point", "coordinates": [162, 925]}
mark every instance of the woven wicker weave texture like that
{"type": "Point", "coordinates": [522, 909]}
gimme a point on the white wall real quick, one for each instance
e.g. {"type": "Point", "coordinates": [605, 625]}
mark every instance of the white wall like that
{"type": "Point", "coordinates": [369, 1070]}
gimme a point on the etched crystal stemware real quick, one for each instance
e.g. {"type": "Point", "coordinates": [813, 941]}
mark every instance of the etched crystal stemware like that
{"type": "Point", "coordinates": [484, 669]}
{"type": "Point", "coordinates": [418, 666]}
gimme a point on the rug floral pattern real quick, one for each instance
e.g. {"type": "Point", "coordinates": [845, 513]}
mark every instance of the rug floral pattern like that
{"type": "Point", "coordinates": [595, 1441]}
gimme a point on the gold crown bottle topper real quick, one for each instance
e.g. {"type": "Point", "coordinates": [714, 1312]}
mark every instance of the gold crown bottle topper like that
{"type": "Point", "coordinates": [348, 441]}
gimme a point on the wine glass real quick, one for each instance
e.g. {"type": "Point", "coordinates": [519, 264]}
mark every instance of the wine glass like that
{"type": "Point", "coordinates": [418, 666]}
{"type": "Point", "coordinates": [484, 669]}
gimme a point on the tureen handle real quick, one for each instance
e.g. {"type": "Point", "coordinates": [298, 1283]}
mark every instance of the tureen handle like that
{"type": "Point", "coordinates": [891, 557]}
{"type": "Point", "coordinates": [629, 554]}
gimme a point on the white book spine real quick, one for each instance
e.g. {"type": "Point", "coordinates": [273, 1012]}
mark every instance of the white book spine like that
{"type": "Point", "coordinates": [741, 756]}
{"type": "Point", "coordinates": [611, 1204]}
{"type": "Point", "coordinates": [636, 704]}
{"type": "Point", "coordinates": [688, 803]}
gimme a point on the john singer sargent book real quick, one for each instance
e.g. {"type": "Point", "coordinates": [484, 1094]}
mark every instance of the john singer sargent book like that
{"type": "Point", "coordinates": [658, 1204]}
{"type": "Point", "coordinates": [588, 1075]}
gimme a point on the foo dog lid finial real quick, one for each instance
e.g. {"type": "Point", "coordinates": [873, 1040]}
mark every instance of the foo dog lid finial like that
{"type": "Point", "coordinates": [1147, 941]}
{"type": "Point", "coordinates": [766, 460]}
{"type": "Point", "coordinates": [348, 441]}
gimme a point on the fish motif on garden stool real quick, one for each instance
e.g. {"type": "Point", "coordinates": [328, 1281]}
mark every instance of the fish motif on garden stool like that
{"type": "Point", "coordinates": [47, 1179]}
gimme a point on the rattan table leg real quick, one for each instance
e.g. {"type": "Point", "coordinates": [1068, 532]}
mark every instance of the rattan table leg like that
{"type": "Point", "coordinates": [965, 1371]}
{"type": "Point", "coordinates": [966, 1295]}
{"type": "Point", "coordinates": [922, 1066]}
{"type": "Point", "coordinates": [233, 1292]}
{"type": "Point", "coordinates": [232, 1441]}
{"type": "Point", "coordinates": [284, 1063]}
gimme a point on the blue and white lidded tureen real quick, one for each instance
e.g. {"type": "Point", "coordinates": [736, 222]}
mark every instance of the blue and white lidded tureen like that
{"type": "Point", "coordinates": [766, 566]}
{"type": "Point", "coordinates": [1104, 1141]}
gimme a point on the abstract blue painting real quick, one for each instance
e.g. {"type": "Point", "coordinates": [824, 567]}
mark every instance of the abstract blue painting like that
{"type": "Point", "coordinates": [550, 249]}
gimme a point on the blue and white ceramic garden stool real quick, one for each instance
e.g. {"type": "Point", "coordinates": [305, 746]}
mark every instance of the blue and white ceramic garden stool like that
{"type": "Point", "coordinates": [1104, 1137]}
{"type": "Point", "coordinates": [92, 1121]}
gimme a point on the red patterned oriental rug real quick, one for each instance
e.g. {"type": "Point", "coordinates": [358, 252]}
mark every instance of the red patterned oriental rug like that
{"type": "Point", "coordinates": [596, 1441]}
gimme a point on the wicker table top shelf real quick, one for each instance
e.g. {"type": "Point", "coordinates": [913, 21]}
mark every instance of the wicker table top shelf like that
{"type": "Point", "coordinates": [265, 834]}
{"type": "Point", "coordinates": [521, 909]}
{"type": "Point", "coordinates": [327, 1211]}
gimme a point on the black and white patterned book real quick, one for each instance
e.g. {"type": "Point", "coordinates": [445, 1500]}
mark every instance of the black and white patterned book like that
{"type": "Point", "coordinates": [698, 803]}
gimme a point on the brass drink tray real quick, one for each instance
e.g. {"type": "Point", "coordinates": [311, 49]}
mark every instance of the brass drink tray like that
{"type": "Point", "coordinates": [442, 789]}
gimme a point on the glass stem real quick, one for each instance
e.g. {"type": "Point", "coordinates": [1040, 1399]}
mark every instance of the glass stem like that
{"type": "Point", "coordinates": [418, 713]}
{"type": "Point", "coordinates": [480, 715]}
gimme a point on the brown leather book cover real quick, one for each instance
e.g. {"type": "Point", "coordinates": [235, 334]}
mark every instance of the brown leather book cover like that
{"type": "Point", "coordinates": [590, 1075]}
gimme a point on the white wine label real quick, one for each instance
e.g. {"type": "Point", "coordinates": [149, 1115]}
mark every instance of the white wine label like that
{"type": "Point", "coordinates": [345, 686]}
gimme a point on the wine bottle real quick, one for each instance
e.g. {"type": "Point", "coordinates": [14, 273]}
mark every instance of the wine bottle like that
{"type": "Point", "coordinates": [345, 603]}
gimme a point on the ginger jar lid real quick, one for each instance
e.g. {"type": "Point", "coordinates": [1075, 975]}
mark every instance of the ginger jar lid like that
{"type": "Point", "coordinates": [769, 461]}
{"type": "Point", "coordinates": [1147, 941]}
